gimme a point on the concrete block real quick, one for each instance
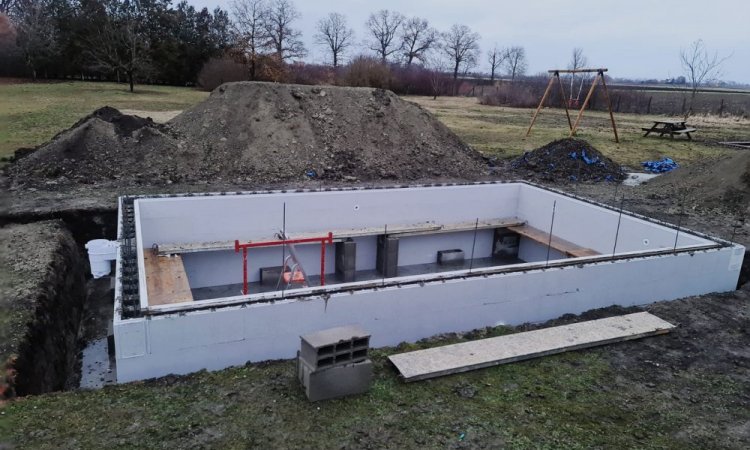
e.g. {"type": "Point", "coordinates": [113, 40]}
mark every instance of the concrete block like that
{"type": "Point", "coordinates": [270, 275]}
{"type": "Point", "coordinates": [506, 244]}
{"type": "Point", "coordinates": [334, 346]}
{"type": "Point", "coordinates": [455, 256]}
{"type": "Point", "coordinates": [346, 256]}
{"type": "Point", "coordinates": [387, 256]}
{"type": "Point", "coordinates": [335, 382]}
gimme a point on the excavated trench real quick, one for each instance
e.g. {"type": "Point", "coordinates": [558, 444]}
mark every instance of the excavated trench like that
{"type": "Point", "coordinates": [69, 307]}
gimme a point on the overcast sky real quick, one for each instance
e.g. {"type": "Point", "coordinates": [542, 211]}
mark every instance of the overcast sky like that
{"type": "Point", "coordinates": [633, 38]}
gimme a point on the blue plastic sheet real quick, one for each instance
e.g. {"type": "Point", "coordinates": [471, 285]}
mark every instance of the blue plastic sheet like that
{"type": "Point", "coordinates": [588, 160]}
{"type": "Point", "coordinates": [661, 166]}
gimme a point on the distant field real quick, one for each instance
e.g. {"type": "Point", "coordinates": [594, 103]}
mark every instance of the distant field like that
{"type": "Point", "coordinates": [31, 113]}
{"type": "Point", "coordinates": [499, 131]}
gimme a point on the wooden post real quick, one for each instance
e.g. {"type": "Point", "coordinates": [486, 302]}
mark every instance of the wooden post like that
{"type": "Point", "coordinates": [609, 105]}
{"type": "Point", "coordinates": [541, 104]}
{"type": "Point", "coordinates": [564, 102]}
{"type": "Point", "coordinates": [585, 104]}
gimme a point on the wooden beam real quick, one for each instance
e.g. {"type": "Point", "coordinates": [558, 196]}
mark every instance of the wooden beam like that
{"type": "Point", "coordinates": [576, 70]}
{"type": "Point", "coordinates": [564, 101]}
{"type": "Point", "coordinates": [568, 248]}
{"type": "Point", "coordinates": [456, 358]}
{"type": "Point", "coordinates": [585, 104]}
{"type": "Point", "coordinates": [541, 104]}
{"type": "Point", "coordinates": [609, 106]}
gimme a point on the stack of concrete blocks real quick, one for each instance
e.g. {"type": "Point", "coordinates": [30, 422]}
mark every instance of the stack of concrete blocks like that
{"type": "Point", "coordinates": [386, 259]}
{"type": "Point", "coordinates": [333, 363]}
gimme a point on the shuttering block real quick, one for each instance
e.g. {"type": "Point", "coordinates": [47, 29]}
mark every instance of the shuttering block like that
{"type": "Point", "coordinates": [334, 346]}
{"type": "Point", "coordinates": [336, 381]}
{"type": "Point", "coordinates": [446, 257]}
{"type": "Point", "coordinates": [346, 256]}
{"type": "Point", "coordinates": [386, 260]}
{"type": "Point", "coordinates": [466, 356]}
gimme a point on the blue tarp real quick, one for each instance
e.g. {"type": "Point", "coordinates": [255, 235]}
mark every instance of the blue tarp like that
{"type": "Point", "coordinates": [661, 166]}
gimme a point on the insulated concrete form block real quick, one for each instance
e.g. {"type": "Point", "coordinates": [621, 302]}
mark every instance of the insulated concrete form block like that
{"type": "Point", "coordinates": [217, 333]}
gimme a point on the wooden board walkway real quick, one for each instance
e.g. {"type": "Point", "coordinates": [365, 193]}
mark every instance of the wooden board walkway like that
{"type": "Point", "coordinates": [166, 280]}
{"type": "Point", "coordinates": [466, 356]}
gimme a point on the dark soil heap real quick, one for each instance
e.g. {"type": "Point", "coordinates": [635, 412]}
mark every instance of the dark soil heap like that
{"type": "Point", "coordinates": [567, 160]}
{"type": "Point", "coordinates": [260, 133]}
{"type": "Point", "coordinates": [105, 145]}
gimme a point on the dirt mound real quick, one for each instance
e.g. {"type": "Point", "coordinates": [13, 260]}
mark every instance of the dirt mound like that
{"type": "Point", "coordinates": [567, 160]}
{"type": "Point", "coordinates": [105, 145]}
{"type": "Point", "coordinates": [722, 183]}
{"type": "Point", "coordinates": [257, 133]}
{"type": "Point", "coordinates": [277, 131]}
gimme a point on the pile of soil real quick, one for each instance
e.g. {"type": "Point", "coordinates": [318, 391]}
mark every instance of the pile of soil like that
{"type": "Point", "coordinates": [567, 160]}
{"type": "Point", "coordinates": [250, 132]}
{"type": "Point", "coordinates": [103, 146]}
{"type": "Point", "coordinates": [716, 184]}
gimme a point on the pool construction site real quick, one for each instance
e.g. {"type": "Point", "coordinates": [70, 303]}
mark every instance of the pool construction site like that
{"type": "Point", "coordinates": [208, 281]}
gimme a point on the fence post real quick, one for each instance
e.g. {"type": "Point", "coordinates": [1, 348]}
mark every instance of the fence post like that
{"type": "Point", "coordinates": [721, 108]}
{"type": "Point", "coordinates": [648, 108]}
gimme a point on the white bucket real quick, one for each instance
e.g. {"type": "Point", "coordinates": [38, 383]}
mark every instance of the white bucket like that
{"type": "Point", "coordinates": [101, 252]}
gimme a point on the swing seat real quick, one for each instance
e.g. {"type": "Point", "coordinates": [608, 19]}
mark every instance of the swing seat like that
{"type": "Point", "coordinates": [573, 103]}
{"type": "Point", "coordinates": [294, 276]}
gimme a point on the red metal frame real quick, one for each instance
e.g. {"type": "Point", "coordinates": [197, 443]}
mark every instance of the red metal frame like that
{"type": "Point", "coordinates": [323, 241]}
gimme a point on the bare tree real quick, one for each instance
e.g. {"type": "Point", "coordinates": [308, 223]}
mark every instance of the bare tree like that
{"type": "Point", "coordinates": [284, 40]}
{"type": "Point", "coordinates": [700, 67]}
{"type": "Point", "coordinates": [6, 6]}
{"type": "Point", "coordinates": [121, 44]}
{"type": "Point", "coordinates": [249, 26]}
{"type": "Point", "coordinates": [495, 57]}
{"type": "Point", "coordinates": [335, 35]}
{"type": "Point", "coordinates": [437, 68]}
{"type": "Point", "coordinates": [461, 45]}
{"type": "Point", "coordinates": [577, 61]}
{"type": "Point", "coordinates": [515, 61]}
{"type": "Point", "coordinates": [36, 34]}
{"type": "Point", "coordinates": [416, 39]}
{"type": "Point", "coordinates": [383, 26]}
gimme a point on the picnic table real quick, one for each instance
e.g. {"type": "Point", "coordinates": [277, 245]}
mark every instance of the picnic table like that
{"type": "Point", "coordinates": [671, 127]}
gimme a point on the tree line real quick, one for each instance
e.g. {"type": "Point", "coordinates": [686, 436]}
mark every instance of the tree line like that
{"type": "Point", "coordinates": [155, 41]}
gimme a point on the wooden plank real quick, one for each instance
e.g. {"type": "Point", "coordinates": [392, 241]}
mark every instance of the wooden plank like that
{"type": "Point", "coordinates": [338, 235]}
{"type": "Point", "coordinates": [561, 245]}
{"type": "Point", "coordinates": [577, 70]}
{"type": "Point", "coordinates": [166, 280]}
{"type": "Point", "coordinates": [466, 356]}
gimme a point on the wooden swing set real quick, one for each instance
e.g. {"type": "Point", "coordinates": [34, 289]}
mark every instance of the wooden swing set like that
{"type": "Point", "coordinates": [555, 74]}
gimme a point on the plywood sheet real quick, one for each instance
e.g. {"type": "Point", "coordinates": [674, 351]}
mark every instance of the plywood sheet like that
{"type": "Point", "coordinates": [466, 356]}
{"type": "Point", "coordinates": [166, 280]}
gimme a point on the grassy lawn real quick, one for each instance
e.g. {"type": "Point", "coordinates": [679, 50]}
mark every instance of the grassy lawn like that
{"type": "Point", "coordinates": [500, 131]}
{"type": "Point", "coordinates": [31, 113]}
{"type": "Point", "coordinates": [564, 401]}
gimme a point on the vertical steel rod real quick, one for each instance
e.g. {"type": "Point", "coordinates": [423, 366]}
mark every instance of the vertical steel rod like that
{"type": "Point", "coordinates": [473, 243]}
{"type": "Point", "coordinates": [322, 263]}
{"type": "Point", "coordinates": [551, 225]}
{"type": "Point", "coordinates": [385, 251]}
{"type": "Point", "coordinates": [679, 223]}
{"type": "Point", "coordinates": [617, 233]}
{"type": "Point", "coordinates": [244, 271]}
{"type": "Point", "coordinates": [283, 249]}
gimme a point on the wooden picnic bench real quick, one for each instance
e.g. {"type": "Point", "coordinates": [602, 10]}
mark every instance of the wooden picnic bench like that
{"type": "Point", "coordinates": [670, 126]}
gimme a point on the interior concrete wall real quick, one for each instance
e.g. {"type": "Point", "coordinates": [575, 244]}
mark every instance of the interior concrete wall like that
{"type": "Point", "coordinates": [593, 227]}
{"type": "Point", "coordinates": [532, 251]}
{"type": "Point", "coordinates": [182, 343]}
{"type": "Point", "coordinates": [257, 216]}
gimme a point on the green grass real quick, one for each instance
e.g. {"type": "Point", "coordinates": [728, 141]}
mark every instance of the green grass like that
{"type": "Point", "coordinates": [566, 401]}
{"type": "Point", "coordinates": [500, 131]}
{"type": "Point", "coordinates": [31, 113]}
